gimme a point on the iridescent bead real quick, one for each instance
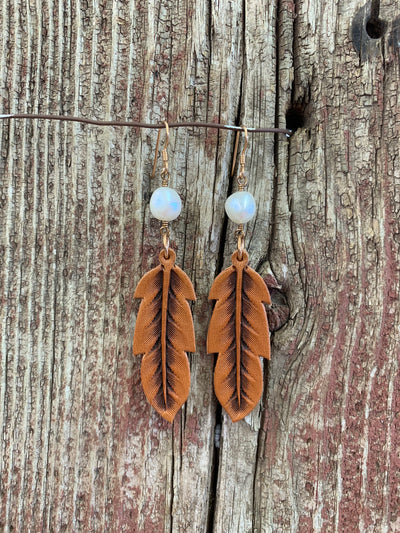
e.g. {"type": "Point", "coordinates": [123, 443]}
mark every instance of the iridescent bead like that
{"type": "Point", "coordinates": [240, 207]}
{"type": "Point", "coordinates": [165, 204]}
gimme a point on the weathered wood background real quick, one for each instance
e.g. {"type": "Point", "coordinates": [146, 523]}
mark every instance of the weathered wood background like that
{"type": "Point", "coordinates": [81, 450]}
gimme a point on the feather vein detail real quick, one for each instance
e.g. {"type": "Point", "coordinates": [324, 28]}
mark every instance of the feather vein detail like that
{"type": "Point", "coordinates": [238, 333]}
{"type": "Point", "coordinates": [164, 332]}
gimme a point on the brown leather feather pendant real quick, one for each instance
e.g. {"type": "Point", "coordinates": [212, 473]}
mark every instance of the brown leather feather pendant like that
{"type": "Point", "coordinates": [238, 332]}
{"type": "Point", "coordinates": [164, 332]}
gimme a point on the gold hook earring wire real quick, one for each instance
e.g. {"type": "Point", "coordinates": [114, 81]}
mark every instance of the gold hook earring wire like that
{"type": "Point", "coordinates": [157, 147]}
{"type": "Point", "coordinates": [167, 135]}
{"type": "Point", "coordinates": [241, 179]}
{"type": "Point", "coordinates": [164, 230]}
{"type": "Point", "coordinates": [235, 153]}
{"type": "Point", "coordinates": [242, 182]}
{"type": "Point", "coordinates": [165, 172]}
{"type": "Point", "coordinates": [236, 148]}
{"type": "Point", "coordinates": [246, 141]}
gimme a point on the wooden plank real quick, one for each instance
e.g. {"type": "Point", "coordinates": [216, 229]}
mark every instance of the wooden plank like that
{"type": "Point", "coordinates": [326, 461]}
{"type": "Point", "coordinates": [80, 448]}
{"type": "Point", "coordinates": [234, 509]}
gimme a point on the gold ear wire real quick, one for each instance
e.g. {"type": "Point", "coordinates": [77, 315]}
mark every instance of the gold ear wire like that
{"type": "Point", "coordinates": [167, 135]}
{"type": "Point", "coordinates": [243, 154]}
{"type": "Point", "coordinates": [235, 152]}
{"type": "Point", "coordinates": [246, 141]}
{"type": "Point", "coordinates": [164, 152]}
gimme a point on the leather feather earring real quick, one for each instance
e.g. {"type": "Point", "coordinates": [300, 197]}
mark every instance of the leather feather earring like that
{"type": "Point", "coordinates": [238, 329]}
{"type": "Point", "coordinates": [164, 329]}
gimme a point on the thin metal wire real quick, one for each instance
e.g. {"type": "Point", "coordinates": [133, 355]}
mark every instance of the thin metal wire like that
{"type": "Point", "coordinates": [164, 230]}
{"type": "Point", "coordinates": [240, 236]}
{"type": "Point", "coordinates": [235, 153]}
{"type": "Point", "coordinates": [241, 179]}
{"type": "Point", "coordinates": [95, 122]}
{"type": "Point", "coordinates": [242, 182]}
{"type": "Point", "coordinates": [165, 155]}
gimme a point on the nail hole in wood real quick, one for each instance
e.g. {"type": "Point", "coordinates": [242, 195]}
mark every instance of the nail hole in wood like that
{"type": "Point", "coordinates": [367, 29]}
{"type": "Point", "coordinates": [376, 28]}
{"type": "Point", "coordinates": [295, 117]}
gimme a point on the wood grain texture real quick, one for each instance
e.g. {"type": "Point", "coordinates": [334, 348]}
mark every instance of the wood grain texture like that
{"type": "Point", "coordinates": [238, 333]}
{"type": "Point", "coordinates": [327, 461]}
{"type": "Point", "coordinates": [80, 448]}
{"type": "Point", "coordinates": [163, 334]}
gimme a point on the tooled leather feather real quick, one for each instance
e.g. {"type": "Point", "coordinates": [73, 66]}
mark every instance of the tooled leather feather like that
{"type": "Point", "coordinates": [164, 333]}
{"type": "Point", "coordinates": [238, 332]}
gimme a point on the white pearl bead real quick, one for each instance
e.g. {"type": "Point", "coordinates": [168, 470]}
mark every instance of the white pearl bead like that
{"type": "Point", "coordinates": [165, 204]}
{"type": "Point", "coordinates": [240, 207]}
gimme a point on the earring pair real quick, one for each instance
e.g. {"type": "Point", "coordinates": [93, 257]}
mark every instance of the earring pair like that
{"type": "Point", "coordinates": [238, 330]}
